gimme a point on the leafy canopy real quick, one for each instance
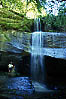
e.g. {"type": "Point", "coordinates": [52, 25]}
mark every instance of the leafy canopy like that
{"type": "Point", "coordinates": [29, 8]}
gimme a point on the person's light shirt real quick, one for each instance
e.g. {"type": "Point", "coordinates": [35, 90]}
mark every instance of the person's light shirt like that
{"type": "Point", "coordinates": [10, 65]}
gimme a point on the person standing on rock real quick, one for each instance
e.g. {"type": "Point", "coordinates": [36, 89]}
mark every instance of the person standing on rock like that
{"type": "Point", "coordinates": [10, 67]}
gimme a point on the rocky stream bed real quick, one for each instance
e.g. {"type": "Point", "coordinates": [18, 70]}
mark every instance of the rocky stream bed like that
{"type": "Point", "coordinates": [22, 88]}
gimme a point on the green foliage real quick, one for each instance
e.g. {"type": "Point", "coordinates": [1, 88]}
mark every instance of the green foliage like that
{"type": "Point", "coordinates": [13, 16]}
{"type": "Point", "coordinates": [5, 13]}
{"type": "Point", "coordinates": [38, 3]}
{"type": "Point", "coordinates": [10, 20]}
{"type": "Point", "coordinates": [18, 5]}
{"type": "Point", "coordinates": [55, 23]}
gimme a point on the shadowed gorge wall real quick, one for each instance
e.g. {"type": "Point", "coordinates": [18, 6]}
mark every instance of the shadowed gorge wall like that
{"type": "Point", "coordinates": [55, 70]}
{"type": "Point", "coordinates": [19, 60]}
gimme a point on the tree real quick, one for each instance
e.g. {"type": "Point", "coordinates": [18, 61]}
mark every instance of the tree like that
{"type": "Point", "coordinates": [23, 6]}
{"type": "Point", "coordinates": [55, 21]}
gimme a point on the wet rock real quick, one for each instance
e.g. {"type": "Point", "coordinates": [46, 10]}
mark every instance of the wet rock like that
{"type": "Point", "coordinates": [16, 42]}
{"type": "Point", "coordinates": [16, 85]}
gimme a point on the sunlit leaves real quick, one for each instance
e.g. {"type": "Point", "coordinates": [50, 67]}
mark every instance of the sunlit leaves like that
{"type": "Point", "coordinates": [55, 23]}
{"type": "Point", "coordinates": [33, 10]}
{"type": "Point", "coordinates": [10, 20]}
{"type": "Point", "coordinates": [25, 7]}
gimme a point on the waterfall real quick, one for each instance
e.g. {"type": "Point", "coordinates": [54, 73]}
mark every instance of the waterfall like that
{"type": "Point", "coordinates": [37, 64]}
{"type": "Point", "coordinates": [37, 59]}
{"type": "Point", "coordinates": [37, 24]}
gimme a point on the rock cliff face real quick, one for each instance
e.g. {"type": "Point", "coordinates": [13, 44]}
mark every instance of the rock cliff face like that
{"type": "Point", "coordinates": [12, 26]}
{"type": "Point", "coordinates": [15, 50]}
{"type": "Point", "coordinates": [18, 49]}
{"type": "Point", "coordinates": [55, 71]}
{"type": "Point", "coordinates": [54, 40]}
{"type": "Point", "coordinates": [20, 60]}
{"type": "Point", "coordinates": [17, 42]}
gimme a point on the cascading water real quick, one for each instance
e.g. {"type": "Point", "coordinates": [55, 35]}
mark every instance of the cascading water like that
{"type": "Point", "coordinates": [37, 64]}
{"type": "Point", "coordinates": [37, 58]}
{"type": "Point", "coordinates": [40, 42]}
{"type": "Point", "coordinates": [37, 24]}
{"type": "Point", "coordinates": [37, 68]}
